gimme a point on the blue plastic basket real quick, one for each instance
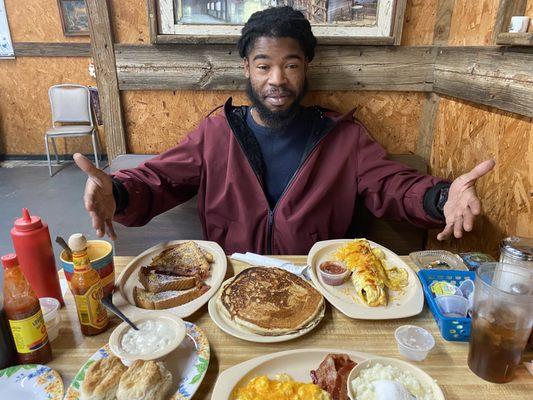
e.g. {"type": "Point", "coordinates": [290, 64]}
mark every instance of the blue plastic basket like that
{"type": "Point", "coordinates": [452, 329]}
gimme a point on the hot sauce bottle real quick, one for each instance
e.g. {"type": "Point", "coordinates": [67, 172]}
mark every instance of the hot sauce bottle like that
{"type": "Point", "coordinates": [87, 289]}
{"type": "Point", "coordinates": [24, 315]}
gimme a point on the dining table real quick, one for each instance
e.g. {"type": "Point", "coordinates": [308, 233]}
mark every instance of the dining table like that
{"type": "Point", "coordinates": [446, 363]}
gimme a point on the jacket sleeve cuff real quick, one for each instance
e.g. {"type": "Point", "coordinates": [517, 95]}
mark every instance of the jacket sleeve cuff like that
{"type": "Point", "coordinates": [121, 196]}
{"type": "Point", "coordinates": [434, 200]}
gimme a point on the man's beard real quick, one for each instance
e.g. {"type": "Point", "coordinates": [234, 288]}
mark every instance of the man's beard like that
{"type": "Point", "coordinates": [275, 119]}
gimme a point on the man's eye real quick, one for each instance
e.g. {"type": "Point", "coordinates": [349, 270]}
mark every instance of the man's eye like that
{"type": "Point", "coordinates": [263, 67]}
{"type": "Point", "coordinates": [292, 66]}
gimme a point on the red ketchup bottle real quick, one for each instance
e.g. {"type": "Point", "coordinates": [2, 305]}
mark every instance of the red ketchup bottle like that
{"type": "Point", "coordinates": [33, 246]}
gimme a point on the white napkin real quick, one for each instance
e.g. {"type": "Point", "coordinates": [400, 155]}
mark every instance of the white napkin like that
{"type": "Point", "coordinates": [257, 259]}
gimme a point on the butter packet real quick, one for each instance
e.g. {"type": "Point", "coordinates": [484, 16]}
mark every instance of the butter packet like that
{"type": "Point", "coordinates": [443, 288]}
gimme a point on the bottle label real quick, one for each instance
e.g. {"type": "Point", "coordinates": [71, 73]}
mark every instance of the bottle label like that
{"type": "Point", "coordinates": [81, 261]}
{"type": "Point", "coordinates": [29, 333]}
{"type": "Point", "coordinates": [90, 309]}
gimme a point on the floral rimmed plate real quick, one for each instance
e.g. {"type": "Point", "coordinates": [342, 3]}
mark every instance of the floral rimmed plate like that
{"type": "Point", "coordinates": [188, 365]}
{"type": "Point", "coordinates": [30, 381]}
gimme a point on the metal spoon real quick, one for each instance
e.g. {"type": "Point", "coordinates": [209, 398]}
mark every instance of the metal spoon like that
{"type": "Point", "coordinates": [60, 241]}
{"type": "Point", "coordinates": [106, 301]}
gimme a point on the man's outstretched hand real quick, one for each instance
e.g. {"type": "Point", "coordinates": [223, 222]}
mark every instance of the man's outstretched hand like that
{"type": "Point", "coordinates": [463, 205]}
{"type": "Point", "coordinates": [98, 197]}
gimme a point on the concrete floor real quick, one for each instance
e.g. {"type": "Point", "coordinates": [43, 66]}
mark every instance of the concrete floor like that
{"type": "Point", "coordinates": [57, 200]}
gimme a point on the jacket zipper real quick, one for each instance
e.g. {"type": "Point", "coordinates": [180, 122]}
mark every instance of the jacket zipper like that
{"type": "Point", "coordinates": [289, 184]}
{"type": "Point", "coordinates": [271, 212]}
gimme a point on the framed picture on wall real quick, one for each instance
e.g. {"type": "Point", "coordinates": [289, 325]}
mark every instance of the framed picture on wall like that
{"type": "Point", "coordinates": [74, 18]}
{"type": "Point", "coordinates": [6, 46]}
{"type": "Point", "coordinates": [333, 21]}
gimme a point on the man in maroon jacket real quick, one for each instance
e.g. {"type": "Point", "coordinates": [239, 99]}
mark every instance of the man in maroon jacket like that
{"type": "Point", "coordinates": [276, 177]}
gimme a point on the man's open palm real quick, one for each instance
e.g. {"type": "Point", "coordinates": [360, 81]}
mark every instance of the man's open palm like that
{"type": "Point", "coordinates": [98, 197]}
{"type": "Point", "coordinates": [463, 204]}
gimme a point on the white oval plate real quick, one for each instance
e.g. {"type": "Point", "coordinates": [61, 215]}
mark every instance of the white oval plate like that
{"type": "Point", "coordinates": [419, 374]}
{"type": "Point", "coordinates": [222, 322]}
{"type": "Point", "coordinates": [30, 381]}
{"type": "Point", "coordinates": [188, 365]}
{"type": "Point", "coordinates": [403, 304]}
{"type": "Point", "coordinates": [295, 363]}
{"type": "Point", "coordinates": [128, 279]}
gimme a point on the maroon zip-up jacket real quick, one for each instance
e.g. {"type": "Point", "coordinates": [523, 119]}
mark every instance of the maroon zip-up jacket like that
{"type": "Point", "coordinates": [221, 162]}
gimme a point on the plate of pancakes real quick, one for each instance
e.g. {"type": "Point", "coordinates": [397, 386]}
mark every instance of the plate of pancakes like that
{"type": "Point", "coordinates": [372, 268]}
{"type": "Point", "coordinates": [179, 276]}
{"type": "Point", "coordinates": [266, 305]}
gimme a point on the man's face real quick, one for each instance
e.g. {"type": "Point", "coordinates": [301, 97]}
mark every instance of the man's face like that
{"type": "Point", "coordinates": [276, 69]}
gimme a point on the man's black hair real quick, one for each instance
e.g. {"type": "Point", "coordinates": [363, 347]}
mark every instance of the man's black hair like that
{"type": "Point", "coordinates": [277, 22]}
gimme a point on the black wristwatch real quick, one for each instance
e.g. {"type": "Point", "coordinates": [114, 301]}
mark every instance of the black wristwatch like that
{"type": "Point", "coordinates": [443, 198]}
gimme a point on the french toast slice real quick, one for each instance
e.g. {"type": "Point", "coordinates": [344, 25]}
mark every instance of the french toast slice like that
{"type": "Point", "coordinates": [167, 299]}
{"type": "Point", "coordinates": [184, 259]}
{"type": "Point", "coordinates": [155, 283]}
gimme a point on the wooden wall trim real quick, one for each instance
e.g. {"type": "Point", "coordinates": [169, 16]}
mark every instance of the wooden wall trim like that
{"type": "Point", "coordinates": [399, 17]}
{"type": "Point", "coordinates": [152, 20]}
{"type": "Point", "coordinates": [106, 76]}
{"type": "Point", "coordinates": [426, 134]}
{"type": "Point", "coordinates": [494, 76]}
{"type": "Point", "coordinates": [506, 9]}
{"type": "Point", "coordinates": [443, 22]}
{"type": "Point", "coordinates": [176, 67]}
{"type": "Point", "coordinates": [40, 49]}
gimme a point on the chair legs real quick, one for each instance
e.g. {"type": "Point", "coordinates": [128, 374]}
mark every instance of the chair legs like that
{"type": "Point", "coordinates": [55, 150]}
{"type": "Point", "coordinates": [48, 154]}
{"type": "Point", "coordinates": [95, 147]}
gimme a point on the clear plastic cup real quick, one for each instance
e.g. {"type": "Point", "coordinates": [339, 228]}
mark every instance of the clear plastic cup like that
{"type": "Point", "coordinates": [50, 308]}
{"type": "Point", "coordinates": [453, 306]}
{"type": "Point", "coordinates": [414, 343]}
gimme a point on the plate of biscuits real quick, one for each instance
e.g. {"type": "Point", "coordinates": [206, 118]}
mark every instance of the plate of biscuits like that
{"type": "Point", "coordinates": [179, 276]}
{"type": "Point", "coordinates": [176, 377]}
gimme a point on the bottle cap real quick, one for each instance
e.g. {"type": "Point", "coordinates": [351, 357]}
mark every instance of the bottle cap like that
{"type": "Point", "coordinates": [10, 260]}
{"type": "Point", "coordinates": [28, 222]}
{"type": "Point", "coordinates": [77, 242]}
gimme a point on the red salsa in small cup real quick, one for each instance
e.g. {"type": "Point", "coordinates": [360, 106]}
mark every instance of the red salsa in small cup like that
{"type": "Point", "coordinates": [333, 267]}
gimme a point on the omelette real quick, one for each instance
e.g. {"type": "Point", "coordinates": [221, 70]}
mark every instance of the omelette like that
{"type": "Point", "coordinates": [369, 275]}
{"type": "Point", "coordinates": [283, 387]}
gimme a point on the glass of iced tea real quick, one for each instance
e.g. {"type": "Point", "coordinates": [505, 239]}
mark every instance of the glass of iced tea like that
{"type": "Point", "coordinates": [501, 320]}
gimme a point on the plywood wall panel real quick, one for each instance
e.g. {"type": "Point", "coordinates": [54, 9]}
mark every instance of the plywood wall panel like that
{"type": "Point", "coordinates": [419, 22]}
{"type": "Point", "coordinates": [467, 134]}
{"type": "Point", "coordinates": [24, 104]}
{"type": "Point", "coordinates": [130, 21]}
{"type": "Point", "coordinates": [37, 21]}
{"type": "Point", "coordinates": [157, 120]}
{"type": "Point", "coordinates": [473, 22]}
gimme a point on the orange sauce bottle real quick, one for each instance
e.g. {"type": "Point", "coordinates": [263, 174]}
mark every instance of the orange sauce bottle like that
{"type": "Point", "coordinates": [87, 289]}
{"type": "Point", "coordinates": [24, 315]}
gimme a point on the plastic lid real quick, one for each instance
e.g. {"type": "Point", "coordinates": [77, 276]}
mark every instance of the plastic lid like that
{"type": "Point", "coordinates": [517, 247]}
{"type": "Point", "coordinates": [28, 222]}
{"type": "Point", "coordinates": [10, 260]}
{"type": "Point", "coordinates": [77, 242]}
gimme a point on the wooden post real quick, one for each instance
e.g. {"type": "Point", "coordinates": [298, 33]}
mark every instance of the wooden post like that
{"type": "Point", "coordinates": [106, 76]}
{"type": "Point", "coordinates": [506, 10]}
{"type": "Point", "coordinates": [441, 33]}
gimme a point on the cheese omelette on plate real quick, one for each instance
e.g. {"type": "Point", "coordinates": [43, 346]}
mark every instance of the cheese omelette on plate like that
{"type": "Point", "coordinates": [370, 276]}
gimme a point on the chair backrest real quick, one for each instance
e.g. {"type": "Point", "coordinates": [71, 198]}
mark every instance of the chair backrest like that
{"type": "Point", "coordinates": [70, 103]}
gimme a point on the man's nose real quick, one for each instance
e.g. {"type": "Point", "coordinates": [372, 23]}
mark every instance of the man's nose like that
{"type": "Point", "coordinates": [277, 77]}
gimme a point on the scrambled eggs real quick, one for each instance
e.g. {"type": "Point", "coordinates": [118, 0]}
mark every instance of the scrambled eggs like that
{"type": "Point", "coordinates": [281, 388]}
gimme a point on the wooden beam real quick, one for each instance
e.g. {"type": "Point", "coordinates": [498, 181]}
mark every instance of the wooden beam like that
{"type": "Point", "coordinates": [106, 76]}
{"type": "Point", "coordinates": [427, 126]}
{"type": "Point", "coordinates": [152, 20]}
{"type": "Point", "coordinates": [443, 22]}
{"type": "Point", "coordinates": [175, 67]}
{"type": "Point", "coordinates": [506, 10]}
{"type": "Point", "coordinates": [426, 133]}
{"type": "Point", "coordinates": [515, 39]}
{"type": "Point", "coordinates": [399, 16]}
{"type": "Point", "coordinates": [495, 76]}
{"type": "Point", "coordinates": [39, 49]}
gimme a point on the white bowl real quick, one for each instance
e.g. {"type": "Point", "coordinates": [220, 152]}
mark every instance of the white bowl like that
{"type": "Point", "coordinates": [416, 372]}
{"type": "Point", "coordinates": [176, 324]}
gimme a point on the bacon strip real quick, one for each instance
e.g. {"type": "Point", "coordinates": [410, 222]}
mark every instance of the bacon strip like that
{"type": "Point", "coordinates": [332, 374]}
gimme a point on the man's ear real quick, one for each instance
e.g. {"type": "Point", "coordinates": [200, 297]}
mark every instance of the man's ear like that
{"type": "Point", "coordinates": [246, 67]}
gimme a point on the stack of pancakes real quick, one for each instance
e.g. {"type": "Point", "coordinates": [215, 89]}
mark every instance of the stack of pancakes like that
{"type": "Point", "coordinates": [270, 301]}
